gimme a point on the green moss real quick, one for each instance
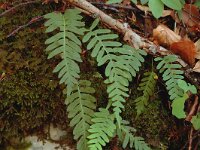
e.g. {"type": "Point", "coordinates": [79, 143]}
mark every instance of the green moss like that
{"type": "Point", "coordinates": [153, 124]}
{"type": "Point", "coordinates": [30, 95]}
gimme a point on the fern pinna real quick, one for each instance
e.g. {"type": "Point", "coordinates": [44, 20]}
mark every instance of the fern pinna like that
{"type": "Point", "coordinates": [81, 103]}
{"type": "Point", "coordinates": [122, 63]}
{"type": "Point", "coordinates": [92, 130]}
{"type": "Point", "coordinates": [81, 106]}
{"type": "Point", "coordinates": [102, 129]}
{"type": "Point", "coordinates": [126, 135]}
{"type": "Point", "coordinates": [65, 43]}
{"type": "Point", "coordinates": [171, 74]}
{"type": "Point", "coordinates": [147, 86]}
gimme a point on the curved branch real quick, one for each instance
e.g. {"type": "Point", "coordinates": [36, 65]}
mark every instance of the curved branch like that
{"type": "Point", "coordinates": [21, 4]}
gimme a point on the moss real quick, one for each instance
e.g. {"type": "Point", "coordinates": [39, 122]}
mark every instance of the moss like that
{"type": "Point", "coordinates": [153, 124]}
{"type": "Point", "coordinates": [30, 95]}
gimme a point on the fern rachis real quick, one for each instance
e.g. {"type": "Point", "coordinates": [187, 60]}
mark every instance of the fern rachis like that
{"type": "Point", "coordinates": [147, 86]}
{"type": "Point", "coordinates": [171, 75]}
{"type": "Point", "coordinates": [65, 43]}
{"type": "Point", "coordinates": [81, 106]}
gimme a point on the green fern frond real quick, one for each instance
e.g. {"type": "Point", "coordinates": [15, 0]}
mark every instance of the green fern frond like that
{"type": "Point", "coordinates": [81, 106]}
{"type": "Point", "coordinates": [122, 63]}
{"type": "Point", "coordinates": [102, 129]}
{"type": "Point", "coordinates": [171, 74]}
{"type": "Point", "coordinates": [147, 86]}
{"type": "Point", "coordinates": [125, 135]}
{"type": "Point", "coordinates": [66, 44]}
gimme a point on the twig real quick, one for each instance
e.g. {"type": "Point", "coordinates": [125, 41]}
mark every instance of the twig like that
{"type": "Point", "coordinates": [190, 139]}
{"type": "Point", "coordinates": [193, 109]}
{"type": "Point", "coordinates": [196, 135]}
{"type": "Point", "coordinates": [113, 6]}
{"type": "Point", "coordinates": [21, 4]}
{"type": "Point", "coordinates": [134, 39]}
{"type": "Point", "coordinates": [33, 20]}
{"type": "Point", "coordinates": [197, 145]}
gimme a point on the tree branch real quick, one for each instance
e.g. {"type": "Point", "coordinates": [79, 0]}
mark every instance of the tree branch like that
{"type": "Point", "coordinates": [33, 20]}
{"type": "Point", "coordinates": [129, 35]}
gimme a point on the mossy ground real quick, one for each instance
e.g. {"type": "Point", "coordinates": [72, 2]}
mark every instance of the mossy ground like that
{"type": "Point", "coordinates": [30, 96]}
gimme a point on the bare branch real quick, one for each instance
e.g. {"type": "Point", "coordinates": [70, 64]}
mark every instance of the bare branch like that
{"type": "Point", "coordinates": [193, 109]}
{"type": "Point", "coordinates": [21, 4]}
{"type": "Point", "coordinates": [129, 35]}
{"type": "Point", "coordinates": [33, 20]}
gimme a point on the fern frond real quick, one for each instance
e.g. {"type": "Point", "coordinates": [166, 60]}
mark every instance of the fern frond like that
{"type": "Point", "coordinates": [102, 129]}
{"type": "Point", "coordinates": [171, 74]}
{"type": "Point", "coordinates": [147, 86]}
{"type": "Point", "coordinates": [81, 106]}
{"type": "Point", "coordinates": [65, 43]}
{"type": "Point", "coordinates": [125, 134]}
{"type": "Point", "coordinates": [122, 63]}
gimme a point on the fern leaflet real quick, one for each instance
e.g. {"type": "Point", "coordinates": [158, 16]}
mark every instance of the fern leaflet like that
{"type": "Point", "coordinates": [125, 134]}
{"type": "Point", "coordinates": [147, 86]}
{"type": "Point", "coordinates": [66, 44]}
{"type": "Point", "coordinates": [81, 106]}
{"type": "Point", "coordinates": [171, 74]}
{"type": "Point", "coordinates": [122, 63]}
{"type": "Point", "coordinates": [102, 129]}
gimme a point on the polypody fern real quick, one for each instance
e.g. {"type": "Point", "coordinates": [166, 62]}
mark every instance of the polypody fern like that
{"type": "Point", "coordinates": [125, 134]}
{"type": "Point", "coordinates": [102, 129]}
{"type": "Point", "coordinates": [171, 74]}
{"type": "Point", "coordinates": [122, 63]}
{"type": "Point", "coordinates": [91, 130]}
{"type": "Point", "coordinates": [147, 86]}
{"type": "Point", "coordinates": [81, 106]}
{"type": "Point", "coordinates": [66, 44]}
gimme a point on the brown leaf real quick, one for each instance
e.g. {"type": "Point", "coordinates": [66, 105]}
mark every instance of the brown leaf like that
{"type": "Point", "coordinates": [189, 16]}
{"type": "Point", "coordinates": [197, 44]}
{"type": "Point", "coordinates": [164, 36]}
{"type": "Point", "coordinates": [146, 9]}
{"type": "Point", "coordinates": [197, 67]}
{"type": "Point", "coordinates": [185, 49]}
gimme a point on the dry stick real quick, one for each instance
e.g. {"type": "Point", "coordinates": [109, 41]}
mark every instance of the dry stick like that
{"type": "Point", "coordinates": [196, 135]}
{"type": "Point", "coordinates": [129, 35]}
{"type": "Point", "coordinates": [197, 145]}
{"type": "Point", "coordinates": [133, 38]}
{"type": "Point", "coordinates": [190, 139]}
{"type": "Point", "coordinates": [33, 20]}
{"type": "Point", "coordinates": [113, 5]}
{"type": "Point", "coordinates": [193, 109]}
{"type": "Point", "coordinates": [21, 4]}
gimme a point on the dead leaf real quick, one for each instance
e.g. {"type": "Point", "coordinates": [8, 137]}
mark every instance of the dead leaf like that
{"type": "Point", "coordinates": [197, 44]}
{"type": "Point", "coordinates": [164, 36]}
{"type": "Point", "coordinates": [197, 67]}
{"type": "Point", "coordinates": [189, 16]}
{"type": "Point", "coordinates": [146, 9]}
{"type": "Point", "coordinates": [185, 49]}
